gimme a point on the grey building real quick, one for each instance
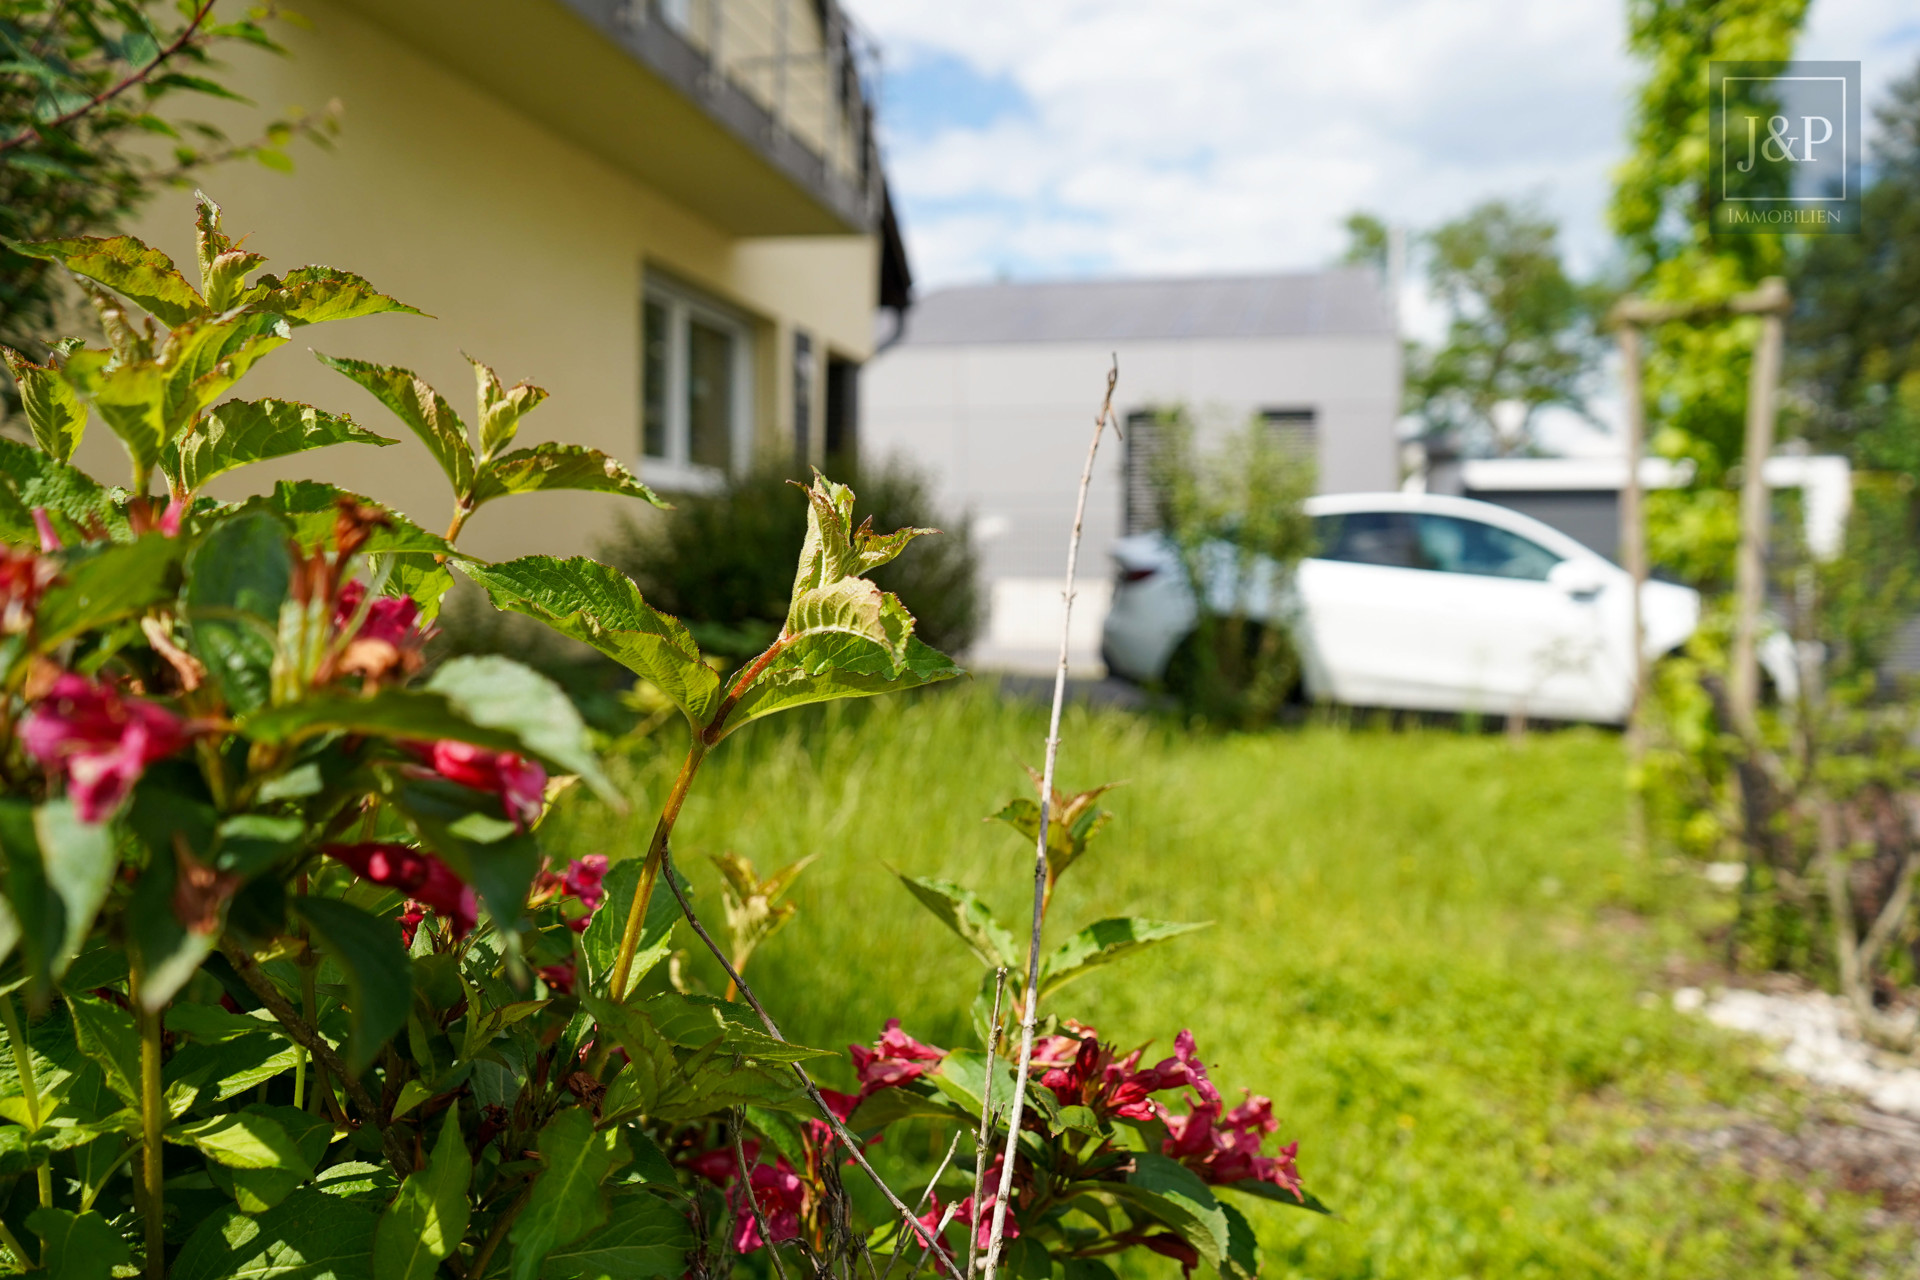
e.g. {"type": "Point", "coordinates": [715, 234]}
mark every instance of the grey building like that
{"type": "Point", "coordinates": [992, 390]}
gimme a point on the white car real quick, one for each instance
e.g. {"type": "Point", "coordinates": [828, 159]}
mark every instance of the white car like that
{"type": "Point", "coordinates": [1424, 602]}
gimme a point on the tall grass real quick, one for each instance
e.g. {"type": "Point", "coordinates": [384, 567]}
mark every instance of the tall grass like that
{"type": "Point", "coordinates": [1429, 948]}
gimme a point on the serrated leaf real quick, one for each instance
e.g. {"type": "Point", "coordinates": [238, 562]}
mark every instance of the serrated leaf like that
{"type": "Point", "coordinates": [203, 358]}
{"type": "Point", "coordinates": [54, 413]}
{"type": "Point", "coordinates": [243, 1140]}
{"type": "Point", "coordinates": [598, 605]}
{"type": "Point", "coordinates": [694, 1022]}
{"type": "Point", "coordinates": [210, 1024]}
{"type": "Point", "coordinates": [823, 668]}
{"type": "Point", "coordinates": [78, 1246]}
{"type": "Point", "coordinates": [853, 607]}
{"type": "Point", "coordinates": [501, 409]}
{"type": "Point", "coordinates": [413, 714]}
{"type": "Point", "coordinates": [316, 294]}
{"type": "Point", "coordinates": [567, 1200]}
{"type": "Point", "coordinates": [130, 398]}
{"type": "Point", "coordinates": [239, 432]}
{"type": "Point", "coordinates": [423, 410]}
{"type": "Point", "coordinates": [499, 694]}
{"type": "Point", "coordinates": [106, 585]}
{"type": "Point", "coordinates": [970, 918]}
{"type": "Point", "coordinates": [833, 548]}
{"type": "Point", "coordinates": [558, 466]}
{"type": "Point", "coordinates": [237, 580]}
{"type": "Point", "coordinates": [308, 1236]}
{"type": "Point", "coordinates": [123, 264]}
{"type": "Point", "coordinates": [257, 1190]}
{"type": "Point", "coordinates": [379, 975]}
{"type": "Point", "coordinates": [646, 1237]}
{"type": "Point", "coordinates": [76, 502]}
{"type": "Point", "coordinates": [311, 508]}
{"type": "Point", "coordinates": [1101, 943]}
{"type": "Point", "coordinates": [106, 1034]}
{"type": "Point", "coordinates": [600, 944]}
{"type": "Point", "coordinates": [426, 1221]}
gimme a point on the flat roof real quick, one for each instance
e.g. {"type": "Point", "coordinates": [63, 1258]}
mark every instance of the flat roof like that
{"type": "Point", "coordinates": [1339, 301]}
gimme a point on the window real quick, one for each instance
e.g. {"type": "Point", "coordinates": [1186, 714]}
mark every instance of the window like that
{"type": "Point", "coordinates": [1453, 545]}
{"type": "Point", "coordinates": [843, 409]}
{"type": "Point", "coordinates": [696, 401]}
{"type": "Point", "coordinates": [802, 399]}
{"type": "Point", "coordinates": [1294, 430]}
{"type": "Point", "coordinates": [1368, 537]}
{"type": "Point", "coordinates": [1142, 511]}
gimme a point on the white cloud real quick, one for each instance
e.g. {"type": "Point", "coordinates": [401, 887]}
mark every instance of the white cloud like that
{"type": "Point", "coordinates": [1230, 135]}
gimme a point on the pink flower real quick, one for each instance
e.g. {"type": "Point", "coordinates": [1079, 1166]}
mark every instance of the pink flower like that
{"type": "Point", "coordinates": [388, 640]}
{"type": "Point", "coordinates": [1225, 1149]}
{"type": "Point", "coordinates": [981, 1222]}
{"type": "Point", "coordinates": [559, 976]}
{"type": "Point", "coordinates": [1095, 1080]}
{"type": "Point", "coordinates": [584, 879]}
{"type": "Point", "coordinates": [421, 876]}
{"type": "Point", "coordinates": [23, 577]}
{"type": "Point", "coordinates": [43, 524]}
{"type": "Point", "coordinates": [520, 783]}
{"type": "Point", "coordinates": [100, 741]}
{"type": "Point", "coordinates": [170, 518]}
{"type": "Point", "coordinates": [409, 920]}
{"type": "Point", "coordinates": [894, 1059]}
{"type": "Point", "coordinates": [776, 1189]}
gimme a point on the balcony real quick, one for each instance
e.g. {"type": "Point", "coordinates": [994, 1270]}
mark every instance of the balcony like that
{"type": "Point", "coordinates": [755, 114]}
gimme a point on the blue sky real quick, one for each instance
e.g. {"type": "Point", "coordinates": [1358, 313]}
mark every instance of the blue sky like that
{"type": "Point", "coordinates": [1048, 138]}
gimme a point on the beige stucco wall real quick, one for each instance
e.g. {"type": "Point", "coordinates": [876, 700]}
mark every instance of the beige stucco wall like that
{"type": "Point", "coordinates": [529, 252]}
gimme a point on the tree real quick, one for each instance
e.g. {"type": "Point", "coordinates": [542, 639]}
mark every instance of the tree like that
{"type": "Point", "coordinates": [1856, 330]}
{"type": "Point", "coordinates": [82, 83]}
{"type": "Point", "coordinates": [1696, 375]}
{"type": "Point", "coordinates": [1520, 330]}
{"type": "Point", "coordinates": [1367, 241]}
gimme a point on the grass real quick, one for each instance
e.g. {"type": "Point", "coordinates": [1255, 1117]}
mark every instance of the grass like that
{"type": "Point", "coordinates": [1431, 949]}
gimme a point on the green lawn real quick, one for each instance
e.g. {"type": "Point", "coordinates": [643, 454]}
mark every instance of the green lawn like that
{"type": "Point", "coordinates": [1429, 948]}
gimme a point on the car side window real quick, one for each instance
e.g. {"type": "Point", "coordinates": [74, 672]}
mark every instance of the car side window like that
{"type": "Point", "coordinates": [1451, 544]}
{"type": "Point", "coordinates": [1367, 537]}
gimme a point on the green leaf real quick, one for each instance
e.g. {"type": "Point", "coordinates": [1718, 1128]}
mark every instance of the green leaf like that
{"type": "Point", "coordinates": [853, 607]}
{"type": "Point", "coordinates": [558, 466]}
{"type": "Point", "coordinates": [427, 1220]}
{"type": "Point", "coordinates": [501, 409]}
{"type": "Point", "coordinates": [203, 1073]}
{"type": "Point", "coordinates": [237, 580]}
{"type": "Point", "coordinates": [1103, 942]}
{"type": "Point", "coordinates": [210, 1024]}
{"type": "Point", "coordinates": [412, 714]}
{"type": "Point", "coordinates": [203, 358]}
{"type": "Point", "coordinates": [257, 1190]}
{"type": "Point", "coordinates": [833, 548]}
{"type": "Point", "coordinates": [1242, 1259]}
{"type": "Point", "coordinates": [76, 503]}
{"type": "Point", "coordinates": [698, 1021]}
{"type": "Point", "coordinates": [598, 605]}
{"type": "Point", "coordinates": [223, 268]}
{"type": "Point", "coordinates": [498, 693]}
{"type": "Point", "coordinates": [80, 861]}
{"type": "Point", "coordinates": [105, 586]}
{"type": "Point", "coordinates": [647, 1237]}
{"type": "Point", "coordinates": [379, 976]}
{"type": "Point", "coordinates": [129, 268]}
{"type": "Point", "coordinates": [962, 1075]}
{"type": "Point", "coordinates": [567, 1200]}
{"type": "Point", "coordinates": [167, 806]}
{"type": "Point", "coordinates": [311, 508]}
{"type": "Point", "coordinates": [1279, 1195]}
{"type": "Point", "coordinates": [106, 1034]}
{"type": "Point", "coordinates": [822, 668]}
{"type": "Point", "coordinates": [54, 414]}
{"type": "Point", "coordinates": [130, 398]}
{"type": "Point", "coordinates": [78, 1246]}
{"type": "Point", "coordinates": [243, 431]}
{"type": "Point", "coordinates": [38, 915]}
{"type": "Point", "coordinates": [964, 913]}
{"type": "Point", "coordinates": [1169, 1192]}
{"type": "Point", "coordinates": [308, 1236]}
{"type": "Point", "coordinates": [243, 1140]}
{"type": "Point", "coordinates": [315, 295]}
{"type": "Point", "coordinates": [423, 410]}
{"type": "Point", "coordinates": [600, 944]}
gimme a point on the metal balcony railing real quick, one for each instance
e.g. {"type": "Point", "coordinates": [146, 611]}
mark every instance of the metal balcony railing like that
{"type": "Point", "coordinates": [796, 76]}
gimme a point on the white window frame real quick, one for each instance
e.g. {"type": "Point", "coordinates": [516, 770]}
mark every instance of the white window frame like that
{"type": "Point", "coordinates": [676, 470]}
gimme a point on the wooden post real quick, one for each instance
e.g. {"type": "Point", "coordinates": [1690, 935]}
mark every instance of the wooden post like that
{"type": "Point", "coordinates": [1633, 530]}
{"type": "Point", "coordinates": [1756, 506]}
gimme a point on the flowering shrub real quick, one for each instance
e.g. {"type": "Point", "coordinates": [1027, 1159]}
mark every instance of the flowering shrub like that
{"type": "Point", "coordinates": [305, 995]}
{"type": "Point", "coordinates": [302, 991]}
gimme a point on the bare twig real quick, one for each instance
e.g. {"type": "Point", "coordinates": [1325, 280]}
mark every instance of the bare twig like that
{"type": "Point", "coordinates": [984, 1135]}
{"type": "Point", "coordinates": [753, 1201]}
{"type": "Point", "coordinates": [946, 1219]}
{"type": "Point", "coordinates": [304, 1035]}
{"type": "Point", "coordinates": [833, 1121]}
{"type": "Point", "coordinates": [34, 132]}
{"type": "Point", "coordinates": [1032, 1008]}
{"type": "Point", "coordinates": [925, 1196]}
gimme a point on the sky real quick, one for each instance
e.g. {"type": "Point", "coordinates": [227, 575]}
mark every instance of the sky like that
{"type": "Point", "coordinates": [1046, 139]}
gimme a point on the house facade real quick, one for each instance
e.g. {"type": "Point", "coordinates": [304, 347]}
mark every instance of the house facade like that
{"type": "Point", "coordinates": [668, 213]}
{"type": "Point", "coordinates": [992, 390]}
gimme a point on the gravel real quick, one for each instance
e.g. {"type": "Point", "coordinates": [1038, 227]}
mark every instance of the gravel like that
{"type": "Point", "coordinates": [1817, 1039]}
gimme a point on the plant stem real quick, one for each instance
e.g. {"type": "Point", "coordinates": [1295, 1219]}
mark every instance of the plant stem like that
{"type": "Point", "coordinates": [33, 133]}
{"type": "Point", "coordinates": [495, 1236]}
{"type": "Point", "coordinates": [29, 1088]}
{"type": "Point", "coordinates": [13, 1247]}
{"type": "Point", "coordinates": [153, 1119]}
{"type": "Point", "coordinates": [650, 870]}
{"type": "Point", "coordinates": [984, 1134]}
{"type": "Point", "coordinates": [1032, 994]}
{"type": "Point", "coordinates": [753, 1201]}
{"type": "Point", "coordinates": [827, 1113]}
